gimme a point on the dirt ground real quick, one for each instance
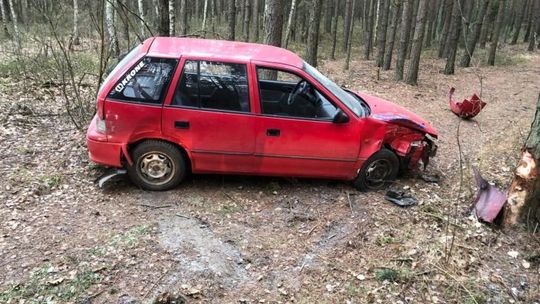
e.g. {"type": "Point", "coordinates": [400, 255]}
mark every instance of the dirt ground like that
{"type": "Point", "coordinates": [231, 239]}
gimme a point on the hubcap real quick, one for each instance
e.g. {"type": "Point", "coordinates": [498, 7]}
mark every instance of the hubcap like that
{"type": "Point", "coordinates": [378, 172]}
{"type": "Point", "coordinates": [156, 168]}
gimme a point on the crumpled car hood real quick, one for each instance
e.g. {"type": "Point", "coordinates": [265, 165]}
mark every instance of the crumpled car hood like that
{"type": "Point", "coordinates": [390, 112]}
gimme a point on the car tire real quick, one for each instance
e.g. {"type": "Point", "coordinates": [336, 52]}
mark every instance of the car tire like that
{"type": "Point", "coordinates": [378, 171]}
{"type": "Point", "coordinates": [157, 165]}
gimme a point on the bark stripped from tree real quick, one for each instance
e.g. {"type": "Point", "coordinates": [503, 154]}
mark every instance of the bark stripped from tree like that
{"type": "Point", "coordinates": [523, 201]}
{"type": "Point", "coordinates": [418, 40]}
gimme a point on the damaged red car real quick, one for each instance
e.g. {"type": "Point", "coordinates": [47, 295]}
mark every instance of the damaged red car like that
{"type": "Point", "coordinates": [175, 106]}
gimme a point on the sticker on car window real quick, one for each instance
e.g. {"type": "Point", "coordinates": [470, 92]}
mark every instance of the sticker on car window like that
{"type": "Point", "coordinates": [120, 86]}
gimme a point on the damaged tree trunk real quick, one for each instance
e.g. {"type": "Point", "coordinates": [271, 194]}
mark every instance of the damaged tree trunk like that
{"type": "Point", "coordinates": [524, 195]}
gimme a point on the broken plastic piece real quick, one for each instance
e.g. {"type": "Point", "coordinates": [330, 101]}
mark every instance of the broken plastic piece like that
{"type": "Point", "coordinates": [489, 200]}
{"type": "Point", "coordinates": [399, 198]}
{"type": "Point", "coordinates": [108, 175]}
{"type": "Point", "coordinates": [467, 108]}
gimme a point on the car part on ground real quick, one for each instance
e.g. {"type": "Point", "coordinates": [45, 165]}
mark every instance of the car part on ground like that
{"type": "Point", "coordinates": [400, 198]}
{"type": "Point", "coordinates": [489, 200]}
{"type": "Point", "coordinates": [467, 108]}
{"type": "Point", "coordinates": [157, 165]}
{"type": "Point", "coordinates": [108, 175]}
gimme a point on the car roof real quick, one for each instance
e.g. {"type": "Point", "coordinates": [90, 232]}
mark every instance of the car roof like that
{"type": "Point", "coordinates": [221, 50]}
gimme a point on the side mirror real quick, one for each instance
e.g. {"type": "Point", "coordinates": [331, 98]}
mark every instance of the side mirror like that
{"type": "Point", "coordinates": [340, 117]}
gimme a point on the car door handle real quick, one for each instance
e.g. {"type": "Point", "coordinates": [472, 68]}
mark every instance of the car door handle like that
{"type": "Point", "coordinates": [181, 124]}
{"type": "Point", "coordinates": [273, 132]}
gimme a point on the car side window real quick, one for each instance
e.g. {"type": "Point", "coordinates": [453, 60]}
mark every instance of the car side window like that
{"type": "Point", "coordinates": [146, 82]}
{"type": "Point", "coordinates": [213, 85]}
{"type": "Point", "coordinates": [286, 94]}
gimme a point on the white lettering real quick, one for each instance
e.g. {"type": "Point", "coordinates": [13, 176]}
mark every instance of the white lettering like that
{"type": "Point", "coordinates": [128, 77]}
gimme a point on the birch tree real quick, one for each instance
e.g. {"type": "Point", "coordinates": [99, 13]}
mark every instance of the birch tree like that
{"type": "Point", "coordinates": [247, 20]}
{"type": "Point", "coordinates": [14, 20]}
{"type": "Point", "coordinates": [141, 16]}
{"type": "Point", "coordinates": [109, 23]}
{"type": "Point", "coordinates": [183, 18]}
{"type": "Point", "coordinates": [172, 19]}
{"type": "Point", "coordinates": [232, 19]}
{"type": "Point", "coordinates": [205, 12]}
{"type": "Point", "coordinates": [289, 23]}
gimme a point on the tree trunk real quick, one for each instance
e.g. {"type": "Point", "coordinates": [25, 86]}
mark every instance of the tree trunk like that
{"type": "Point", "coordinates": [142, 18]}
{"type": "Point", "coordinates": [313, 32]}
{"type": "Point", "coordinates": [183, 18]}
{"type": "Point", "coordinates": [346, 24]}
{"type": "Point", "coordinates": [535, 31]}
{"type": "Point", "coordinates": [289, 23]}
{"type": "Point", "coordinates": [392, 36]}
{"type": "Point", "coordinates": [404, 38]}
{"type": "Point", "coordinates": [496, 33]}
{"type": "Point", "coordinates": [172, 19]}
{"type": "Point", "coordinates": [368, 31]}
{"type": "Point", "coordinates": [413, 27]}
{"type": "Point", "coordinates": [529, 21]}
{"type": "Point", "coordinates": [205, 13]}
{"type": "Point", "coordinates": [273, 22]}
{"type": "Point", "coordinates": [4, 19]}
{"type": "Point", "coordinates": [523, 201]}
{"type": "Point", "coordinates": [232, 20]}
{"type": "Point", "coordinates": [247, 20]}
{"type": "Point", "coordinates": [488, 22]}
{"type": "Point", "coordinates": [508, 22]}
{"type": "Point", "coordinates": [111, 30]}
{"type": "Point", "coordinates": [518, 21]}
{"type": "Point", "coordinates": [14, 20]}
{"type": "Point", "coordinates": [334, 29]}
{"type": "Point", "coordinates": [349, 43]}
{"type": "Point", "coordinates": [328, 16]}
{"type": "Point", "coordinates": [454, 38]}
{"type": "Point", "coordinates": [381, 30]}
{"type": "Point", "coordinates": [163, 17]}
{"type": "Point", "coordinates": [431, 15]}
{"type": "Point", "coordinates": [418, 41]}
{"type": "Point", "coordinates": [75, 22]}
{"type": "Point", "coordinates": [449, 7]}
{"type": "Point", "coordinates": [473, 38]}
{"type": "Point", "coordinates": [255, 20]}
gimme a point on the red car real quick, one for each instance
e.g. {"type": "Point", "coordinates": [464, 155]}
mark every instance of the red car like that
{"type": "Point", "coordinates": [177, 105]}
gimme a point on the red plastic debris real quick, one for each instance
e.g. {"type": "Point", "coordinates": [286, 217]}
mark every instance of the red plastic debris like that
{"type": "Point", "coordinates": [489, 200]}
{"type": "Point", "coordinates": [467, 108]}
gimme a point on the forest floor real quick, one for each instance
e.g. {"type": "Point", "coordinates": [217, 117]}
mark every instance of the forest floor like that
{"type": "Point", "coordinates": [230, 239]}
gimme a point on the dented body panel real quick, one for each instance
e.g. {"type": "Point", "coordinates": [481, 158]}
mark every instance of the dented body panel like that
{"type": "Point", "coordinates": [228, 142]}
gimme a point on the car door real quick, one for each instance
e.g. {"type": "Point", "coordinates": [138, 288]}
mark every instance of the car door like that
{"type": "Point", "coordinates": [301, 140]}
{"type": "Point", "coordinates": [210, 115]}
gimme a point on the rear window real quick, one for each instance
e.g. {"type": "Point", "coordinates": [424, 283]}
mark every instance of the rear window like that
{"type": "Point", "coordinates": [147, 81]}
{"type": "Point", "coordinates": [120, 64]}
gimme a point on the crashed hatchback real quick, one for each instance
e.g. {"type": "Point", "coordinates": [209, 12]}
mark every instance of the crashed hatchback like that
{"type": "Point", "coordinates": [175, 106]}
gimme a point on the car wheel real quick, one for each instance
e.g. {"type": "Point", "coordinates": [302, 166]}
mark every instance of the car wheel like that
{"type": "Point", "coordinates": [157, 165]}
{"type": "Point", "coordinates": [380, 169]}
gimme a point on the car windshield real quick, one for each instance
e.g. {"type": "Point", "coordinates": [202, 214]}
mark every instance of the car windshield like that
{"type": "Point", "coordinates": [348, 98]}
{"type": "Point", "coordinates": [120, 64]}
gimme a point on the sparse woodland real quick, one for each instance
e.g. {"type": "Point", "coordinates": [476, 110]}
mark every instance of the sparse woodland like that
{"type": "Point", "coordinates": [63, 240]}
